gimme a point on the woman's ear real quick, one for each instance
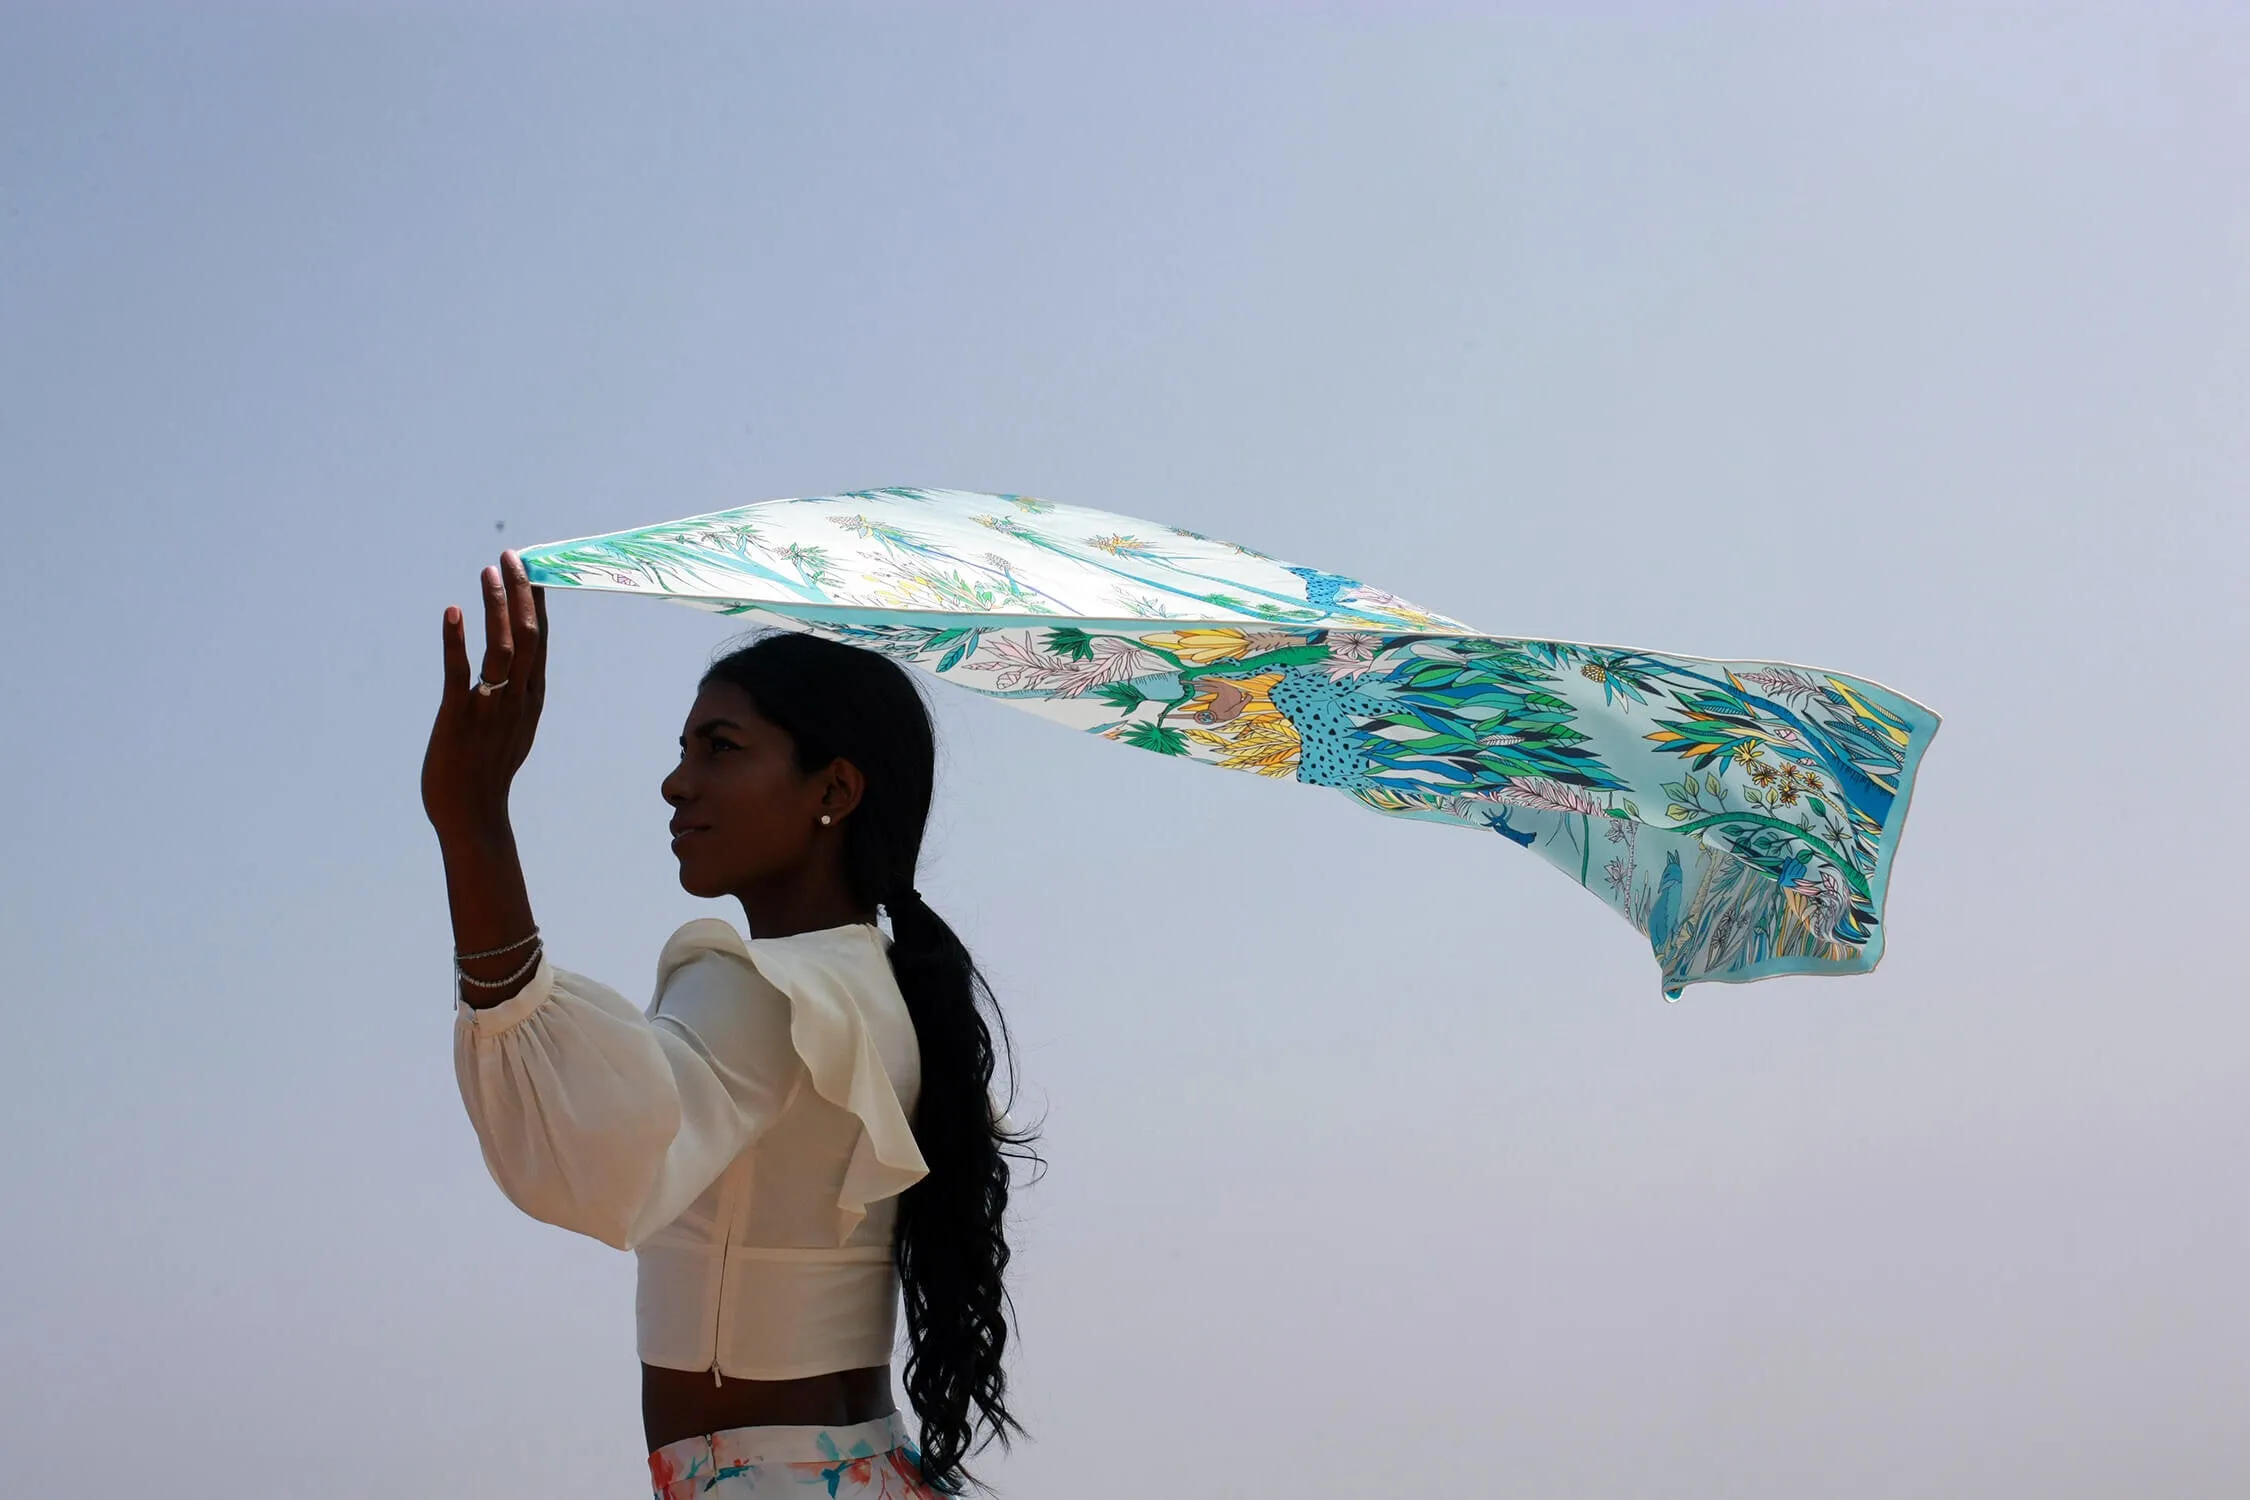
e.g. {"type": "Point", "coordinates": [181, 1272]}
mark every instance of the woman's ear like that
{"type": "Point", "coordinates": [842, 789]}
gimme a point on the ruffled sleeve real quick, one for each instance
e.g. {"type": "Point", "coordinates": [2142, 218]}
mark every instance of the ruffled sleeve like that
{"type": "Point", "coordinates": [844, 1006]}
{"type": "Point", "coordinates": [610, 1122]}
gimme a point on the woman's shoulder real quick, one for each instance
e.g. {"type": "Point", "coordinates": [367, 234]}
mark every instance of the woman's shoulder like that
{"type": "Point", "coordinates": [822, 959]}
{"type": "Point", "coordinates": [693, 940]}
{"type": "Point", "coordinates": [706, 981]}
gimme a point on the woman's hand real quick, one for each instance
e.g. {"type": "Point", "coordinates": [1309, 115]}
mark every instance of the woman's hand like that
{"type": "Point", "coordinates": [480, 739]}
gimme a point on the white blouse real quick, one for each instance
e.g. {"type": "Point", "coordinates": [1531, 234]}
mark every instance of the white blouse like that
{"type": "Point", "coordinates": [747, 1135]}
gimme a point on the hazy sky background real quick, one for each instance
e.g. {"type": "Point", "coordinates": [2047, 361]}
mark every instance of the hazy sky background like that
{"type": "Point", "coordinates": [1912, 342]}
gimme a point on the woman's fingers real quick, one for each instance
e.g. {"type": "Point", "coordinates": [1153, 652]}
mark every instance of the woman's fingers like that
{"type": "Point", "coordinates": [456, 654]}
{"type": "Point", "coordinates": [523, 619]}
{"type": "Point", "coordinates": [499, 643]}
{"type": "Point", "coordinates": [535, 681]}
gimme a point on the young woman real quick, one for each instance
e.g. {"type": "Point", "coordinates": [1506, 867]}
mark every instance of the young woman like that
{"type": "Point", "coordinates": [800, 1128]}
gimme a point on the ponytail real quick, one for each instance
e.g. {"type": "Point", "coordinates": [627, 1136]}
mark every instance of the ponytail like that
{"type": "Point", "coordinates": [951, 1241]}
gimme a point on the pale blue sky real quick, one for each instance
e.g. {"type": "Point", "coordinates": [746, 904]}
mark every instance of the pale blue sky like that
{"type": "Point", "coordinates": [1913, 342]}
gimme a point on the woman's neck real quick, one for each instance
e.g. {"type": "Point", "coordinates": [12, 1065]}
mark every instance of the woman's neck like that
{"type": "Point", "coordinates": [800, 907]}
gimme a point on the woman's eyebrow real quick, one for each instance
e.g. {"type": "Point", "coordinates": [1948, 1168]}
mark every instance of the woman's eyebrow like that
{"type": "Point", "coordinates": [710, 726]}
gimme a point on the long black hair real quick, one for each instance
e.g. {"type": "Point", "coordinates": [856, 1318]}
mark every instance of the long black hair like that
{"type": "Point", "coordinates": [837, 701]}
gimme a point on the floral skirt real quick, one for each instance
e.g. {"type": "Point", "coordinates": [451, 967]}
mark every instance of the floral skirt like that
{"type": "Point", "coordinates": [869, 1459]}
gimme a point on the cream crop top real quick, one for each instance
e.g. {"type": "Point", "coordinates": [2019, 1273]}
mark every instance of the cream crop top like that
{"type": "Point", "coordinates": [747, 1135]}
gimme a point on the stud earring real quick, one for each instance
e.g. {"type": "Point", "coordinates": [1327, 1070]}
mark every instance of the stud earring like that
{"type": "Point", "coordinates": [824, 820]}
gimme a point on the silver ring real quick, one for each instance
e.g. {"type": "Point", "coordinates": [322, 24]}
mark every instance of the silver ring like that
{"type": "Point", "coordinates": [487, 689]}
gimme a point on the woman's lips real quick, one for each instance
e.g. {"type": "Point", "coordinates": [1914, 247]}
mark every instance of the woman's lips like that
{"type": "Point", "coordinates": [682, 835]}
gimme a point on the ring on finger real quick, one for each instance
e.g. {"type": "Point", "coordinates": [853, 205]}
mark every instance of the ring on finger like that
{"type": "Point", "coordinates": [487, 689]}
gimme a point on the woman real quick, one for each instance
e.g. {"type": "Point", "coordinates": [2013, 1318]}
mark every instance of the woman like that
{"type": "Point", "coordinates": [799, 1128]}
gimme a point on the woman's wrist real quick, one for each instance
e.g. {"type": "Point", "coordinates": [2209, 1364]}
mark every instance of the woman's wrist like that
{"type": "Point", "coordinates": [491, 910]}
{"type": "Point", "coordinates": [484, 993]}
{"type": "Point", "coordinates": [478, 837]}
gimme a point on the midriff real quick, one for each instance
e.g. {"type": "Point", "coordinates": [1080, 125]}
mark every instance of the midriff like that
{"type": "Point", "coordinates": [678, 1404]}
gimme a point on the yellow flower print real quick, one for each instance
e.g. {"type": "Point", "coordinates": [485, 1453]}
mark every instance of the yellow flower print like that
{"type": "Point", "coordinates": [1265, 744]}
{"type": "Point", "coordinates": [1201, 647]}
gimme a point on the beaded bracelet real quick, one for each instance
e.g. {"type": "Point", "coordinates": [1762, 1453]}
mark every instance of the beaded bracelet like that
{"type": "Point", "coordinates": [496, 952]}
{"type": "Point", "coordinates": [529, 964]}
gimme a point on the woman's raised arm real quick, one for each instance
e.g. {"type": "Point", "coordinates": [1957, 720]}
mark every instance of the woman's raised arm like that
{"type": "Point", "coordinates": [481, 738]}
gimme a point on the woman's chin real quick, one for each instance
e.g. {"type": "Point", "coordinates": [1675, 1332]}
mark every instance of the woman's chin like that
{"type": "Point", "coordinates": [699, 884]}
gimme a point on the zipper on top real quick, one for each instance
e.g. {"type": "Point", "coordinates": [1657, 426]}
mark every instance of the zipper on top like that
{"type": "Point", "coordinates": [729, 1196]}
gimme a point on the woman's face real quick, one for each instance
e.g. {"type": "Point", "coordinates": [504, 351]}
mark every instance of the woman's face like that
{"type": "Point", "coordinates": [743, 815]}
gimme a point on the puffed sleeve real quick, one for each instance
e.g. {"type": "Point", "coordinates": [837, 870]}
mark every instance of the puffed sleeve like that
{"type": "Point", "coordinates": [607, 1121]}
